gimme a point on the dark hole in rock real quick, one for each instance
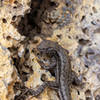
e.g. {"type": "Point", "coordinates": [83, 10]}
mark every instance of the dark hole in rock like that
{"type": "Point", "coordinates": [15, 2]}
{"type": "Point", "coordinates": [84, 78]}
{"type": "Point", "coordinates": [53, 4]}
{"type": "Point", "coordinates": [4, 20]}
{"type": "Point", "coordinates": [8, 38]}
{"type": "Point", "coordinates": [98, 20]}
{"type": "Point", "coordinates": [26, 51]}
{"type": "Point", "coordinates": [14, 17]}
{"type": "Point", "coordinates": [30, 24]}
{"type": "Point", "coordinates": [15, 7]}
{"type": "Point", "coordinates": [43, 77]}
{"type": "Point", "coordinates": [91, 14]}
{"type": "Point", "coordinates": [93, 23]}
{"type": "Point", "coordinates": [15, 61]}
{"type": "Point", "coordinates": [86, 66]}
{"type": "Point", "coordinates": [38, 54]}
{"type": "Point", "coordinates": [78, 92]}
{"type": "Point", "coordinates": [94, 9]}
{"type": "Point", "coordinates": [24, 76]}
{"type": "Point", "coordinates": [33, 50]}
{"type": "Point", "coordinates": [83, 17]}
{"type": "Point", "coordinates": [83, 42]}
{"type": "Point", "coordinates": [79, 71]}
{"type": "Point", "coordinates": [77, 37]}
{"type": "Point", "coordinates": [59, 36]}
{"type": "Point", "coordinates": [85, 30]}
{"type": "Point", "coordinates": [69, 37]}
{"type": "Point", "coordinates": [27, 54]}
{"type": "Point", "coordinates": [52, 72]}
{"type": "Point", "coordinates": [88, 92]}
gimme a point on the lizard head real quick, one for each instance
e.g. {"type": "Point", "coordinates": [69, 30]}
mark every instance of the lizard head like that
{"type": "Point", "coordinates": [47, 45]}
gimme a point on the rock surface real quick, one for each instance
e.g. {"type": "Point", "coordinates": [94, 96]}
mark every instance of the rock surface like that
{"type": "Point", "coordinates": [75, 25]}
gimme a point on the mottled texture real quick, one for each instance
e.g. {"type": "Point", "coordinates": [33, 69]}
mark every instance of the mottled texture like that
{"type": "Point", "coordinates": [74, 24]}
{"type": "Point", "coordinates": [63, 71]}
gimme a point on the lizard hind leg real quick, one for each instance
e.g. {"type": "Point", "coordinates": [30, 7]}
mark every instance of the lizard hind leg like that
{"type": "Point", "coordinates": [38, 90]}
{"type": "Point", "coordinates": [53, 85]}
{"type": "Point", "coordinates": [32, 92]}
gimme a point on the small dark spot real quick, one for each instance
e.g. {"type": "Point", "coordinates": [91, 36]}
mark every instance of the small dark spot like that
{"type": "Point", "coordinates": [33, 50]}
{"type": "Point", "coordinates": [8, 37]}
{"type": "Point", "coordinates": [14, 17]}
{"type": "Point", "coordinates": [85, 30]}
{"type": "Point", "coordinates": [83, 17]}
{"type": "Point", "coordinates": [15, 2]}
{"type": "Point", "coordinates": [33, 59]}
{"type": "Point", "coordinates": [14, 7]}
{"type": "Point", "coordinates": [98, 20]}
{"type": "Point", "coordinates": [83, 42]}
{"type": "Point", "coordinates": [15, 61]}
{"type": "Point", "coordinates": [77, 37]}
{"type": "Point", "coordinates": [59, 36]}
{"type": "Point", "coordinates": [79, 71]}
{"type": "Point", "coordinates": [43, 77]}
{"type": "Point", "coordinates": [27, 54]}
{"type": "Point", "coordinates": [86, 66]}
{"type": "Point", "coordinates": [78, 92]}
{"type": "Point", "coordinates": [91, 14]}
{"type": "Point", "coordinates": [93, 22]}
{"type": "Point", "coordinates": [69, 37]}
{"type": "Point", "coordinates": [97, 97]}
{"type": "Point", "coordinates": [53, 4]}
{"type": "Point", "coordinates": [76, 16]}
{"type": "Point", "coordinates": [4, 20]}
{"type": "Point", "coordinates": [24, 76]}
{"type": "Point", "coordinates": [90, 44]}
{"type": "Point", "coordinates": [38, 54]}
{"type": "Point", "coordinates": [26, 51]}
{"type": "Point", "coordinates": [88, 92]}
{"type": "Point", "coordinates": [95, 43]}
{"type": "Point", "coordinates": [94, 9]}
{"type": "Point", "coordinates": [52, 72]}
{"type": "Point", "coordinates": [84, 78]}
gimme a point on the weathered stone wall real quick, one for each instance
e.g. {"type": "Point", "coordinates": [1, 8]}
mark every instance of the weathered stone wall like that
{"type": "Point", "coordinates": [74, 24]}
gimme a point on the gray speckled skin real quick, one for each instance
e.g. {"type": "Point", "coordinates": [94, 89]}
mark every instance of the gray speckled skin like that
{"type": "Point", "coordinates": [63, 73]}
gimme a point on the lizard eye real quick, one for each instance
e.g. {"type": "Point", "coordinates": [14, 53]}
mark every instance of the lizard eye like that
{"type": "Point", "coordinates": [49, 49]}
